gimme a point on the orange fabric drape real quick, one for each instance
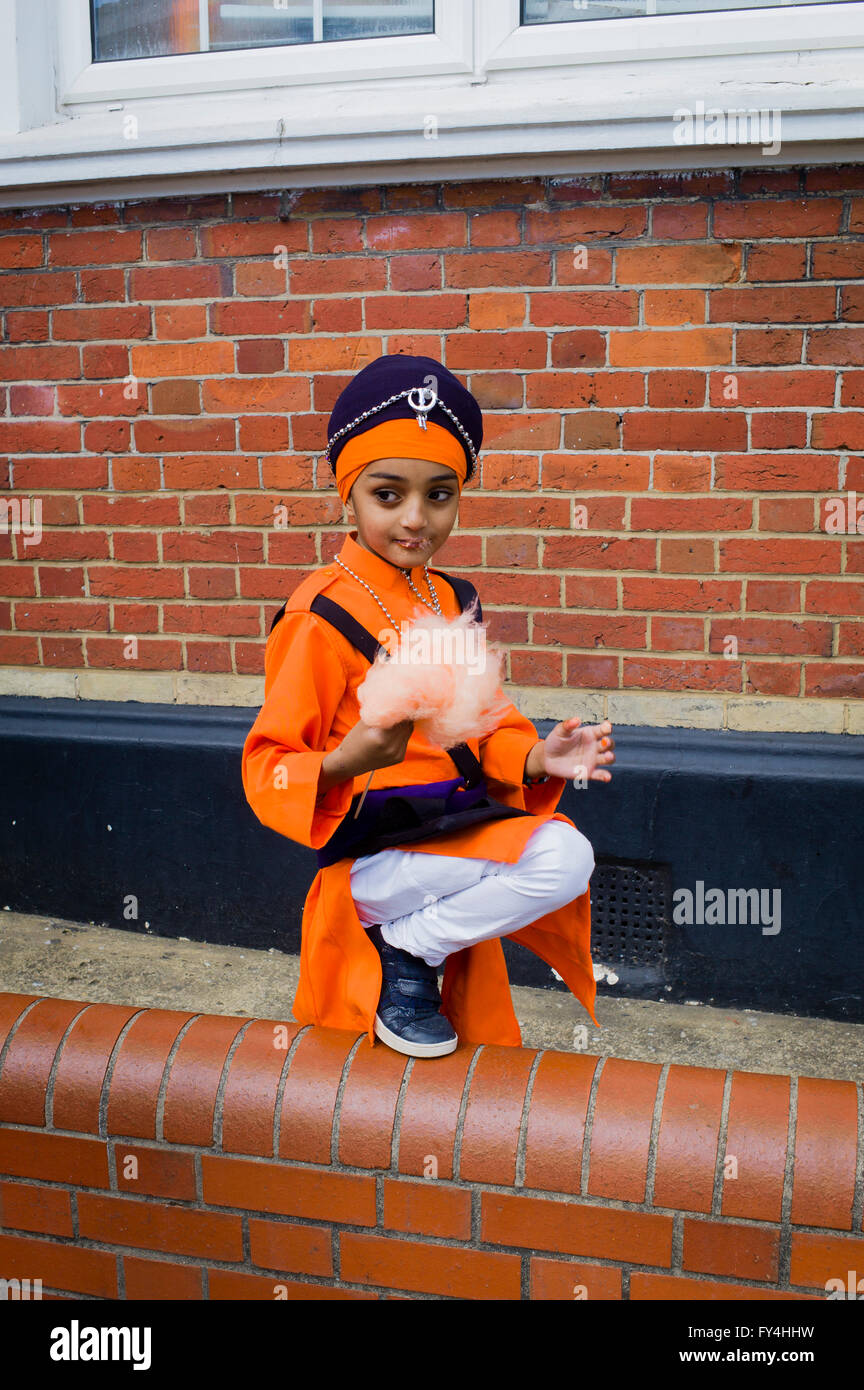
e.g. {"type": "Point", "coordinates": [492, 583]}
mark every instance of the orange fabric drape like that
{"type": "Point", "coordinates": [185, 27]}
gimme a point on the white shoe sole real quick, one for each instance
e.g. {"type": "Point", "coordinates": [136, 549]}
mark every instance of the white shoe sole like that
{"type": "Point", "coordinates": [413, 1049]}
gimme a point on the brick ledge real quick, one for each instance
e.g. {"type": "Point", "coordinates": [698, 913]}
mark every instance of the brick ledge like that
{"type": "Point", "coordinates": [269, 1155]}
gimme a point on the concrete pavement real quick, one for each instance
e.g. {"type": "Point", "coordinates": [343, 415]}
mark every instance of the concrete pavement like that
{"type": "Point", "coordinates": [73, 960]}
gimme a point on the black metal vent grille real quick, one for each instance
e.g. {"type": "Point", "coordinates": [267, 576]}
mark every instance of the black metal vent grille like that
{"type": "Point", "coordinates": [629, 912]}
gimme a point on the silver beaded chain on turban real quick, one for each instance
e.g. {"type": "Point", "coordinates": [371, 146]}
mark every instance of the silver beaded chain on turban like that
{"type": "Point", "coordinates": [428, 399]}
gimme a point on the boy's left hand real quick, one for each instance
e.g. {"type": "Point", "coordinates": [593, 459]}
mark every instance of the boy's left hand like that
{"type": "Point", "coordinates": [574, 749]}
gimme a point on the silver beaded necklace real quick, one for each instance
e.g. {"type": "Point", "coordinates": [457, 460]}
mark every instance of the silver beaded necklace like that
{"type": "Point", "coordinates": [435, 605]}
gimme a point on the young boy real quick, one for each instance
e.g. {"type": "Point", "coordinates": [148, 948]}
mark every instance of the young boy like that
{"type": "Point", "coordinates": [453, 849]}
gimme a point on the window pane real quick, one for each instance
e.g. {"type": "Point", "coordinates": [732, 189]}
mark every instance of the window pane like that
{"type": "Point", "coordinates": [155, 28]}
{"type": "Point", "coordinates": [564, 11]}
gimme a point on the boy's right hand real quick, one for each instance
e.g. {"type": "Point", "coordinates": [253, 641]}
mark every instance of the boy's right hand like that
{"type": "Point", "coordinates": [366, 748]}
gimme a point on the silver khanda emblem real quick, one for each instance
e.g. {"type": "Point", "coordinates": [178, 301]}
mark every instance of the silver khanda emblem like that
{"type": "Point", "coordinates": [426, 398]}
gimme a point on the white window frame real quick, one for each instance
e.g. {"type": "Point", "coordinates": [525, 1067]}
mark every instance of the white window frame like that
{"type": "Point", "coordinates": [469, 35]}
{"type": "Point", "coordinates": [447, 50]}
{"type": "Point", "coordinates": [701, 35]}
{"type": "Point", "coordinates": [582, 97]}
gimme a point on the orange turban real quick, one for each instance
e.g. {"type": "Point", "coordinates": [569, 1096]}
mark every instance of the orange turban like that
{"type": "Point", "coordinates": [398, 439]}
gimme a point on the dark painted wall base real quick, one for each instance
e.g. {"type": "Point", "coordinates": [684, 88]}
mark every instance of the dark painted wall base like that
{"type": "Point", "coordinates": [133, 815]}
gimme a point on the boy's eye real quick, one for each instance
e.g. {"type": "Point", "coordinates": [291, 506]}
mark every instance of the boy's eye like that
{"type": "Point", "coordinates": [385, 493]}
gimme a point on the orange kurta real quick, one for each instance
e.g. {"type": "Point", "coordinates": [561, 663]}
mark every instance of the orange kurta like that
{"type": "Point", "coordinates": [311, 675]}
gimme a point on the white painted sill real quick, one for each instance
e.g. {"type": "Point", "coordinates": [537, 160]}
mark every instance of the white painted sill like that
{"type": "Point", "coordinates": [516, 115]}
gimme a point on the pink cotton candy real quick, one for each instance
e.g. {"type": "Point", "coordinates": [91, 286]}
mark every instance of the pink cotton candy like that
{"type": "Point", "coordinates": [442, 674]}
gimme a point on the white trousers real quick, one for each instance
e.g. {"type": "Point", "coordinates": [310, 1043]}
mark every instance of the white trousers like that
{"type": "Point", "coordinates": [434, 904]}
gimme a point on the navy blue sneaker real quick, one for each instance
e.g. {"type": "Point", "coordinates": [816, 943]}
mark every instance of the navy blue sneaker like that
{"type": "Point", "coordinates": [409, 1018]}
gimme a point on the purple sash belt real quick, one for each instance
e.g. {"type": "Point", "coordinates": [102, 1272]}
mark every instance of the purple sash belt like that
{"type": "Point", "coordinates": [395, 816]}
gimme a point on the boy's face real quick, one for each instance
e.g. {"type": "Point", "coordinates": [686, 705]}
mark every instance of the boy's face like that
{"type": "Point", "coordinates": [397, 500]}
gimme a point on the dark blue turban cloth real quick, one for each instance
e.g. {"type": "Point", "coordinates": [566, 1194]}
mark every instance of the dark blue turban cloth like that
{"type": "Point", "coordinates": [399, 372]}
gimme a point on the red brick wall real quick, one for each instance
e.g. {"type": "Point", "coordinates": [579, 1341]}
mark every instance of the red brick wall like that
{"type": "Point", "coordinates": [494, 1173]}
{"type": "Point", "coordinates": [697, 384]}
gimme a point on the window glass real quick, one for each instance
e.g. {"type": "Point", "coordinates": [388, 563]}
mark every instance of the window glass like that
{"type": "Point", "coordinates": [567, 11]}
{"type": "Point", "coordinates": [156, 28]}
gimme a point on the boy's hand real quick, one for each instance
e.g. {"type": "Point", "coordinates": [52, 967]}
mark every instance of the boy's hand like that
{"type": "Point", "coordinates": [366, 748]}
{"type": "Point", "coordinates": [578, 750]}
{"type": "Point", "coordinates": [363, 749]}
